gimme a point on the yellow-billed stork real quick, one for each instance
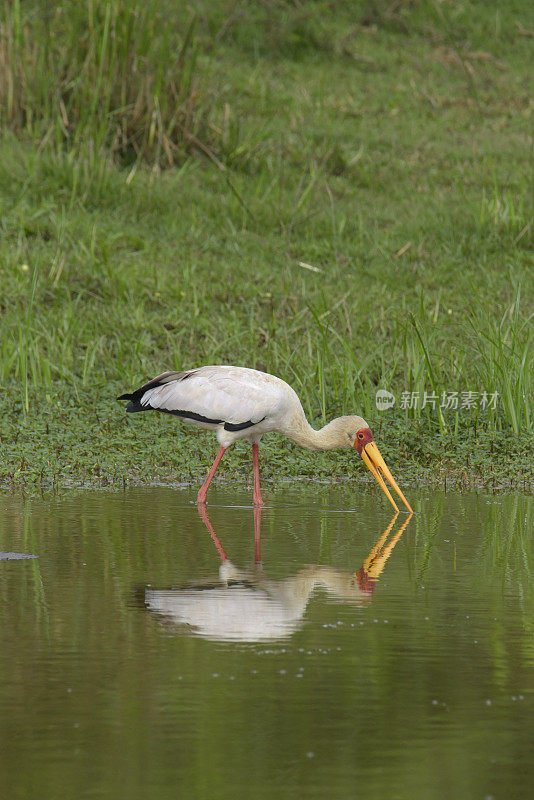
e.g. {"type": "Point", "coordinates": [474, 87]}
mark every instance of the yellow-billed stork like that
{"type": "Point", "coordinates": [241, 403]}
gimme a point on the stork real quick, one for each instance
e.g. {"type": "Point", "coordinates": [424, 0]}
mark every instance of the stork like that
{"type": "Point", "coordinates": [241, 403]}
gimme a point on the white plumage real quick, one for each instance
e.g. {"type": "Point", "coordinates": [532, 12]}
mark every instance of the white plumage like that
{"type": "Point", "coordinates": [224, 395]}
{"type": "Point", "coordinates": [242, 403]}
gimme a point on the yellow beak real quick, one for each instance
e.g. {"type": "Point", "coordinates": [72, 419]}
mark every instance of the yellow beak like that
{"type": "Point", "coordinates": [376, 464]}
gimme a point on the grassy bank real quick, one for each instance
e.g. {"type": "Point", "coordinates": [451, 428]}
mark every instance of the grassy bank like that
{"type": "Point", "coordinates": [386, 147]}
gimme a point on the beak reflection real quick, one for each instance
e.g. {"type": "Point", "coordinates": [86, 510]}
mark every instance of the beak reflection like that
{"type": "Point", "coordinates": [376, 560]}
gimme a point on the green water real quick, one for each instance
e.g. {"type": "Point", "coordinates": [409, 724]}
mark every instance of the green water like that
{"type": "Point", "coordinates": [135, 662]}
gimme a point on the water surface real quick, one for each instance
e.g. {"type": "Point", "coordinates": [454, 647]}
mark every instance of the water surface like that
{"type": "Point", "coordinates": [152, 652]}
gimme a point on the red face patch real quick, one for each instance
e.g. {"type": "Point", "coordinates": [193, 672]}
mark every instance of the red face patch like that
{"type": "Point", "coordinates": [363, 437]}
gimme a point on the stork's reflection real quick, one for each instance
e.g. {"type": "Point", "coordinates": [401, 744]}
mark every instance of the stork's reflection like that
{"type": "Point", "coordinates": [246, 605]}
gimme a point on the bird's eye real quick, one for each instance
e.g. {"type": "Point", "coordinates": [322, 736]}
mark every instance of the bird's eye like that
{"type": "Point", "coordinates": [360, 436]}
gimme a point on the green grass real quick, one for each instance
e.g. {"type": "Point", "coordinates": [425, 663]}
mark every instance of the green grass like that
{"type": "Point", "coordinates": [101, 78]}
{"type": "Point", "coordinates": [387, 146]}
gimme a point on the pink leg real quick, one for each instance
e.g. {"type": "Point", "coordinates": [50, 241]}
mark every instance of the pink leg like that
{"type": "Point", "coordinates": [256, 497]}
{"type": "Point", "coordinates": [257, 535]}
{"type": "Point", "coordinates": [203, 491]}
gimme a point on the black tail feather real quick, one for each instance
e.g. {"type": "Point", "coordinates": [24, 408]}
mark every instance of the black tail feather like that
{"type": "Point", "coordinates": [134, 404]}
{"type": "Point", "coordinates": [135, 397]}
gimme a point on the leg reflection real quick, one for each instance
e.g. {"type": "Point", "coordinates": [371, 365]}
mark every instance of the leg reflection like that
{"type": "Point", "coordinates": [203, 514]}
{"type": "Point", "coordinates": [257, 535]}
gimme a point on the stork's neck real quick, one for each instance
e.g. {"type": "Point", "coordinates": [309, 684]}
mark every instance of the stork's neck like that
{"type": "Point", "coordinates": [327, 438]}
